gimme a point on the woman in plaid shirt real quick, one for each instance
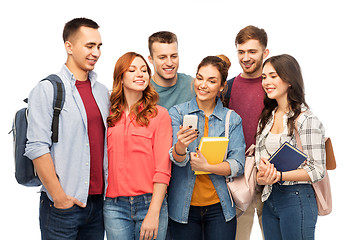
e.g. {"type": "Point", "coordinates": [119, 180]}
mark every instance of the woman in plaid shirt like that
{"type": "Point", "coordinates": [290, 210]}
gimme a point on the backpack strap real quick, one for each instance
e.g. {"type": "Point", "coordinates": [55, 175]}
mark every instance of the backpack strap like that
{"type": "Point", "coordinates": [229, 87]}
{"type": "Point", "coordinates": [58, 103]}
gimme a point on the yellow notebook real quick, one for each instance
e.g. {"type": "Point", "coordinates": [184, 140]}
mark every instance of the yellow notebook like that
{"type": "Point", "coordinates": [213, 149]}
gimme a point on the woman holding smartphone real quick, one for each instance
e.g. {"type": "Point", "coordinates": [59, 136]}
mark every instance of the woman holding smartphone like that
{"type": "Point", "coordinates": [200, 205]}
{"type": "Point", "coordinates": [139, 138]}
{"type": "Point", "coordinates": [290, 210]}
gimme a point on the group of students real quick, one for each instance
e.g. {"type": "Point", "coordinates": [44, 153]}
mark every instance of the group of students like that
{"type": "Point", "coordinates": [131, 146]}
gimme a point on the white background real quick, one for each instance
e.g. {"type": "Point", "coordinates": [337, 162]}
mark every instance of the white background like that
{"type": "Point", "coordinates": [322, 35]}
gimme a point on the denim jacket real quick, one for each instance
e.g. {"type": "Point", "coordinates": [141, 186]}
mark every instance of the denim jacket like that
{"type": "Point", "coordinates": [183, 178]}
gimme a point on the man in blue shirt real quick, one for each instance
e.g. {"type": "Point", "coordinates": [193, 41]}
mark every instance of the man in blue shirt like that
{"type": "Point", "coordinates": [72, 193]}
{"type": "Point", "coordinates": [173, 87]}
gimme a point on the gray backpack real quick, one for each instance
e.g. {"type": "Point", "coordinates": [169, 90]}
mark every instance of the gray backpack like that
{"type": "Point", "coordinates": [25, 173]}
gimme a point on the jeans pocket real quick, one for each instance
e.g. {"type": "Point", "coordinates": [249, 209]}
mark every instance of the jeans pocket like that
{"type": "Point", "coordinates": [64, 210]}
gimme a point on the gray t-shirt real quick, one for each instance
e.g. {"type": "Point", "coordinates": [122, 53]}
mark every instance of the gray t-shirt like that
{"type": "Point", "coordinates": [179, 93]}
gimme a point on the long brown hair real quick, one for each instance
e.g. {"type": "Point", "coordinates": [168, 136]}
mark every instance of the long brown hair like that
{"type": "Point", "coordinates": [117, 97]}
{"type": "Point", "coordinates": [289, 71]}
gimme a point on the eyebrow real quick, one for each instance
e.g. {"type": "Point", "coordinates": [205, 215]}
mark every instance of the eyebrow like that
{"type": "Point", "coordinates": [93, 44]}
{"type": "Point", "coordinates": [208, 78]}
{"type": "Point", "coordinates": [247, 50]}
{"type": "Point", "coordinates": [136, 66]}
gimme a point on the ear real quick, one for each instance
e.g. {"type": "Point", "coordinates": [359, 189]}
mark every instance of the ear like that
{"type": "Point", "coordinates": [222, 87]}
{"type": "Point", "coordinates": [266, 53]}
{"type": "Point", "coordinates": [150, 59]}
{"type": "Point", "coordinates": [68, 47]}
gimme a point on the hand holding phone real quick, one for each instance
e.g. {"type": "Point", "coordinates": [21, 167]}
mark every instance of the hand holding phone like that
{"type": "Point", "coordinates": [190, 120]}
{"type": "Point", "coordinates": [187, 135]}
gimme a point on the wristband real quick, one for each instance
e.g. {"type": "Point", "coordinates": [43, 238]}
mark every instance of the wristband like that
{"type": "Point", "coordinates": [177, 152]}
{"type": "Point", "coordinates": [280, 177]}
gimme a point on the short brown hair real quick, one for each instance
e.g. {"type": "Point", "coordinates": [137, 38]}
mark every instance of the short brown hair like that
{"type": "Point", "coordinates": [251, 32]}
{"type": "Point", "coordinates": [74, 25]}
{"type": "Point", "coordinates": [161, 37]}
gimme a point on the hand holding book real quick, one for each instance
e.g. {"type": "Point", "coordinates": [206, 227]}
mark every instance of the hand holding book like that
{"type": "Point", "coordinates": [213, 150]}
{"type": "Point", "coordinates": [287, 158]}
{"type": "Point", "coordinates": [198, 162]}
{"type": "Point", "coordinates": [267, 173]}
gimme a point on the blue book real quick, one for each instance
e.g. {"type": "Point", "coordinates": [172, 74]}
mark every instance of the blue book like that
{"type": "Point", "coordinates": [287, 158]}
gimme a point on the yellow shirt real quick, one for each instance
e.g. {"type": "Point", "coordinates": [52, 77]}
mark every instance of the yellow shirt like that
{"type": "Point", "coordinates": [204, 193]}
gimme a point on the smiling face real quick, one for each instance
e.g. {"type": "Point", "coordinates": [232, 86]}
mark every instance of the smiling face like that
{"type": "Point", "coordinates": [207, 84]}
{"type": "Point", "coordinates": [251, 55]}
{"type": "Point", "coordinates": [83, 50]}
{"type": "Point", "coordinates": [273, 85]}
{"type": "Point", "coordinates": [165, 59]}
{"type": "Point", "coordinates": [136, 78]}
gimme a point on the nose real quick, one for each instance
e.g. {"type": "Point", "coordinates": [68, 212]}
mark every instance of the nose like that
{"type": "Point", "coordinates": [203, 84]}
{"type": "Point", "coordinates": [96, 52]}
{"type": "Point", "coordinates": [168, 61]}
{"type": "Point", "coordinates": [246, 56]}
{"type": "Point", "coordinates": [265, 81]}
{"type": "Point", "coordinates": [139, 73]}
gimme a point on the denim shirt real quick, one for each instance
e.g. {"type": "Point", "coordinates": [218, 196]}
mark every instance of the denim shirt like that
{"type": "Point", "coordinates": [71, 154]}
{"type": "Point", "coordinates": [183, 178]}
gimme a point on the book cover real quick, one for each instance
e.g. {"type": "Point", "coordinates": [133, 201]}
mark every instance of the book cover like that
{"type": "Point", "coordinates": [213, 149]}
{"type": "Point", "coordinates": [287, 158]}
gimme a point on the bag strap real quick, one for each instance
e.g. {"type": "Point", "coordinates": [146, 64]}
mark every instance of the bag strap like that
{"type": "Point", "coordinates": [58, 103]}
{"type": "Point", "coordinates": [227, 124]}
{"type": "Point", "coordinates": [297, 136]}
{"type": "Point", "coordinates": [319, 197]}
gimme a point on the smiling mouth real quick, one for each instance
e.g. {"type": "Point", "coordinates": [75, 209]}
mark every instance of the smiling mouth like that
{"type": "Point", "coordinates": [270, 90]}
{"type": "Point", "coordinates": [168, 69]}
{"type": "Point", "coordinates": [92, 61]}
{"type": "Point", "coordinates": [139, 81]}
{"type": "Point", "coordinates": [248, 65]}
{"type": "Point", "coordinates": [201, 91]}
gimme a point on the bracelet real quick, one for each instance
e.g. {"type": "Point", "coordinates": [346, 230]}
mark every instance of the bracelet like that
{"type": "Point", "coordinates": [177, 152]}
{"type": "Point", "coordinates": [280, 177]}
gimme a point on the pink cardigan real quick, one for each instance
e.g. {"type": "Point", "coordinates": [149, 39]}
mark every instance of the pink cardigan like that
{"type": "Point", "coordinates": [138, 156]}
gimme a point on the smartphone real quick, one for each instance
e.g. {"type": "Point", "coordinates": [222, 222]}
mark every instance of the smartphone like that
{"type": "Point", "coordinates": [190, 120]}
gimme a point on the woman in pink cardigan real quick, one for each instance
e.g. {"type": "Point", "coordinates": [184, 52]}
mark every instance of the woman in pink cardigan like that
{"type": "Point", "coordinates": [139, 138]}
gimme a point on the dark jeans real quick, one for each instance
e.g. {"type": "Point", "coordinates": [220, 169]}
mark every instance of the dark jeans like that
{"type": "Point", "coordinates": [207, 222]}
{"type": "Point", "coordinates": [73, 223]}
{"type": "Point", "coordinates": [290, 213]}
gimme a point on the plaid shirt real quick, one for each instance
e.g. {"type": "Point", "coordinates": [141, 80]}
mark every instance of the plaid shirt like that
{"type": "Point", "coordinates": [312, 136]}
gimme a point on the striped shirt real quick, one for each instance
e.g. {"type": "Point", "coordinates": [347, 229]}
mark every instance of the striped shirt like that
{"type": "Point", "coordinates": [312, 137]}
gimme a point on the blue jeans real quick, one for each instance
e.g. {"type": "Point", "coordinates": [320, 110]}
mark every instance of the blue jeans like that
{"type": "Point", "coordinates": [290, 213]}
{"type": "Point", "coordinates": [123, 217]}
{"type": "Point", "coordinates": [73, 223]}
{"type": "Point", "coordinates": [204, 223]}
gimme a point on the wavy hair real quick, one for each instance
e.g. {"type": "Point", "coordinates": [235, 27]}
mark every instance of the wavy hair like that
{"type": "Point", "coordinates": [289, 71]}
{"type": "Point", "coordinates": [117, 98]}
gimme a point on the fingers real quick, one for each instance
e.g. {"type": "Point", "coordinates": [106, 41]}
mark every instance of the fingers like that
{"type": "Point", "coordinates": [77, 202]}
{"type": "Point", "coordinates": [186, 135]}
{"type": "Point", "coordinates": [148, 234]}
{"type": "Point", "coordinates": [270, 176]}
